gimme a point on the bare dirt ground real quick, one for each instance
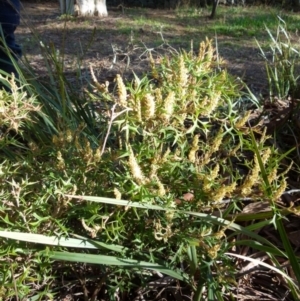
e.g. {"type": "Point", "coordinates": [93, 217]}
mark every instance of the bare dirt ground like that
{"type": "Point", "coordinates": [118, 43]}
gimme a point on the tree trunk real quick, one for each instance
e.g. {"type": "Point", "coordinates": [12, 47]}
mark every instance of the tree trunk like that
{"type": "Point", "coordinates": [214, 8]}
{"type": "Point", "coordinates": [91, 8]}
{"type": "Point", "coordinates": [66, 7]}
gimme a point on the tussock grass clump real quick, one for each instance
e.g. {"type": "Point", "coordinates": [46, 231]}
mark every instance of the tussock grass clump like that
{"type": "Point", "coordinates": [174, 145]}
{"type": "Point", "coordinates": [281, 107]}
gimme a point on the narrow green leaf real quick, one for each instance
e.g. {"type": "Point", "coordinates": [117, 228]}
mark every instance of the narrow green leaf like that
{"type": "Point", "coordinates": [99, 244]}
{"type": "Point", "coordinates": [115, 261]}
{"type": "Point", "coordinates": [288, 248]}
{"type": "Point", "coordinates": [48, 240]}
{"type": "Point", "coordinates": [192, 255]}
{"type": "Point", "coordinates": [257, 246]}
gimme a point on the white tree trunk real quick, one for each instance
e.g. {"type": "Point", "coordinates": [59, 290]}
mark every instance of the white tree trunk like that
{"type": "Point", "coordinates": [100, 8]}
{"type": "Point", "coordinates": [91, 7]}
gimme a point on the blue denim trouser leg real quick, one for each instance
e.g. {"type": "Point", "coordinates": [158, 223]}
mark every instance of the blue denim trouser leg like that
{"type": "Point", "coordinates": [9, 20]}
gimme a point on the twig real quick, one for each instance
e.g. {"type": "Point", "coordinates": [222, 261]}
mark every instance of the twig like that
{"type": "Point", "coordinates": [109, 127]}
{"type": "Point", "coordinates": [148, 50]}
{"type": "Point", "coordinates": [292, 191]}
{"type": "Point", "coordinates": [114, 49]}
{"type": "Point", "coordinates": [98, 287]}
{"type": "Point", "coordinates": [112, 118]}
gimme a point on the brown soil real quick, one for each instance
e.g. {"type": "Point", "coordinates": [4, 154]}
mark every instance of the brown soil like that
{"type": "Point", "coordinates": [101, 43]}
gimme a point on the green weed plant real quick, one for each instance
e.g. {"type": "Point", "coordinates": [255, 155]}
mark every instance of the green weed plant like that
{"type": "Point", "coordinates": [280, 66]}
{"type": "Point", "coordinates": [173, 157]}
{"type": "Point", "coordinates": [282, 69]}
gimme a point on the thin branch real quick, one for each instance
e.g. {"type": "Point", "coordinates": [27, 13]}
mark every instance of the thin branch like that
{"type": "Point", "coordinates": [113, 116]}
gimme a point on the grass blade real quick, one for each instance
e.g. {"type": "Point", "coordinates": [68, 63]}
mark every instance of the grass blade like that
{"type": "Point", "coordinates": [48, 240]}
{"type": "Point", "coordinates": [114, 261]}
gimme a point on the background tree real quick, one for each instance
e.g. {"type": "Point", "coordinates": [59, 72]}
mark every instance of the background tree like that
{"type": "Point", "coordinates": [84, 7]}
{"type": "Point", "coordinates": [91, 7]}
{"type": "Point", "coordinates": [214, 8]}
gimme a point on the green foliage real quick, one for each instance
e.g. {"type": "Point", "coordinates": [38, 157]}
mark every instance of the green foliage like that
{"type": "Point", "coordinates": [16, 115]}
{"type": "Point", "coordinates": [173, 143]}
{"type": "Point", "coordinates": [243, 22]}
{"type": "Point", "coordinates": [281, 65]}
{"type": "Point", "coordinates": [282, 68]}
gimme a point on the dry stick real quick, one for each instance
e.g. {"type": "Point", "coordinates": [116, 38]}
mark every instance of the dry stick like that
{"type": "Point", "coordinates": [148, 50]}
{"type": "Point", "coordinates": [109, 127]}
{"type": "Point", "coordinates": [98, 287]}
{"type": "Point", "coordinates": [85, 290]}
{"type": "Point", "coordinates": [112, 118]}
{"type": "Point", "coordinates": [115, 56]}
{"type": "Point", "coordinates": [291, 191]}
